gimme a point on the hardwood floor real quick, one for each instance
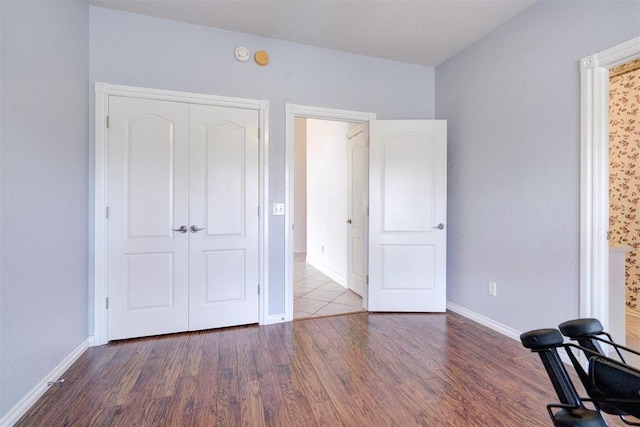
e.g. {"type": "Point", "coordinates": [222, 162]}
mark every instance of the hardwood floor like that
{"type": "Point", "coordinates": [354, 370]}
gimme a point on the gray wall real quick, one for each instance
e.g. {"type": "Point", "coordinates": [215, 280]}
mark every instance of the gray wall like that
{"type": "Point", "coordinates": [143, 51]}
{"type": "Point", "coordinates": [43, 171]}
{"type": "Point", "coordinates": [513, 105]}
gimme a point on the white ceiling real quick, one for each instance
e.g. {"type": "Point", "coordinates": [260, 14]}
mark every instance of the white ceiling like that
{"type": "Point", "coordinates": [425, 32]}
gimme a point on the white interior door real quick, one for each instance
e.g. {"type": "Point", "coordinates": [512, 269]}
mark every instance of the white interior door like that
{"type": "Point", "coordinates": [223, 289]}
{"type": "Point", "coordinates": [148, 191]}
{"type": "Point", "coordinates": [357, 208]}
{"type": "Point", "coordinates": [407, 234]}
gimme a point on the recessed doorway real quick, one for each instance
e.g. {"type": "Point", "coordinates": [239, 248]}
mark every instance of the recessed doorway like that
{"type": "Point", "coordinates": [329, 206]}
{"type": "Point", "coordinates": [624, 191]}
{"type": "Point", "coordinates": [297, 190]}
{"type": "Point", "coordinates": [404, 251]}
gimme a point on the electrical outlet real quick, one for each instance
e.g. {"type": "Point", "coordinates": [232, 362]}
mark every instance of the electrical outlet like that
{"type": "Point", "coordinates": [492, 288]}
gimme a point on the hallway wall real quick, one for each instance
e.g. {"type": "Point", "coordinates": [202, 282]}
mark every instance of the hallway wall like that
{"type": "Point", "coordinates": [327, 197]}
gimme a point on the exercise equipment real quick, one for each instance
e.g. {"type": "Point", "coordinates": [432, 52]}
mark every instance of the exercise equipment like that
{"type": "Point", "coordinates": [612, 384]}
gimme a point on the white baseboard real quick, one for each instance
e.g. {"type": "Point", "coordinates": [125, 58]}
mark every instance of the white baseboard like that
{"type": "Point", "coordinates": [21, 408]}
{"type": "Point", "coordinates": [339, 279]}
{"type": "Point", "coordinates": [498, 327]}
{"type": "Point", "coordinates": [273, 319]}
{"type": "Point", "coordinates": [485, 321]}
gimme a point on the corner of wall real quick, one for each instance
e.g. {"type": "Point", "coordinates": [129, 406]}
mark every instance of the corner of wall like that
{"type": "Point", "coordinates": [49, 380]}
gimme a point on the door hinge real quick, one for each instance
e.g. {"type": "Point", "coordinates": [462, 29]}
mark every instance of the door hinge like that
{"type": "Point", "coordinates": [367, 280]}
{"type": "Point", "coordinates": [107, 122]}
{"type": "Point", "coordinates": [293, 226]}
{"type": "Point", "coordinates": [107, 303]}
{"type": "Point", "coordinates": [107, 212]}
{"type": "Point", "coordinates": [258, 288]}
{"type": "Point", "coordinates": [367, 210]}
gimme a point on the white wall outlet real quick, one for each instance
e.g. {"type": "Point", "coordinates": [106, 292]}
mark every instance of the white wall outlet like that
{"type": "Point", "coordinates": [278, 208]}
{"type": "Point", "coordinates": [492, 288]}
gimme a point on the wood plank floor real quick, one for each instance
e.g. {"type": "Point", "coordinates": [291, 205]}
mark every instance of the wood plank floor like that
{"type": "Point", "coordinates": [354, 370]}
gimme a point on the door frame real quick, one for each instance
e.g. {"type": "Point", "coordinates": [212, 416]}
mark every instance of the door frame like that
{"type": "Point", "coordinates": [594, 176]}
{"type": "Point", "coordinates": [309, 112]}
{"type": "Point", "coordinates": [101, 169]}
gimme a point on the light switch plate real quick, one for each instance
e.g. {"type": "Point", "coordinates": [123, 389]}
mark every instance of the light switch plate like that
{"type": "Point", "coordinates": [278, 208]}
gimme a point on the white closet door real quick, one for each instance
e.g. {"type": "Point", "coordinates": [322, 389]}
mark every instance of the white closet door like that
{"type": "Point", "coordinates": [223, 285]}
{"type": "Point", "coordinates": [148, 190]}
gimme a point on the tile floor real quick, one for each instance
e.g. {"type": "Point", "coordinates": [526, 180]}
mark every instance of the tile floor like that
{"type": "Point", "coordinates": [317, 295]}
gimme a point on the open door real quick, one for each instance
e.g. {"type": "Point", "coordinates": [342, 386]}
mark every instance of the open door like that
{"type": "Point", "coordinates": [357, 210]}
{"type": "Point", "coordinates": [407, 223]}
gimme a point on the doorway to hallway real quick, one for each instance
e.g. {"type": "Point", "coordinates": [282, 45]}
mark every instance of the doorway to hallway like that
{"type": "Point", "coordinates": [404, 253]}
{"type": "Point", "coordinates": [624, 186]}
{"type": "Point", "coordinates": [329, 205]}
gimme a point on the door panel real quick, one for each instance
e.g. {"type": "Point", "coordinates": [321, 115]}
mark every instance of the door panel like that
{"type": "Point", "coordinates": [149, 277]}
{"type": "Point", "coordinates": [357, 207]}
{"type": "Point", "coordinates": [407, 182]}
{"type": "Point", "coordinates": [149, 172]}
{"type": "Point", "coordinates": [407, 250]}
{"type": "Point", "coordinates": [407, 267]}
{"type": "Point", "coordinates": [223, 289]}
{"type": "Point", "coordinates": [148, 197]}
{"type": "Point", "coordinates": [224, 170]}
{"type": "Point", "coordinates": [225, 276]}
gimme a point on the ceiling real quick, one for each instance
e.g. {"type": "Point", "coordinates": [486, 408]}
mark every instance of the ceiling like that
{"type": "Point", "coordinates": [425, 32]}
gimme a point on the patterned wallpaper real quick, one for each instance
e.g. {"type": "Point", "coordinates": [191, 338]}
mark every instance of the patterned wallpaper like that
{"type": "Point", "coordinates": [624, 170]}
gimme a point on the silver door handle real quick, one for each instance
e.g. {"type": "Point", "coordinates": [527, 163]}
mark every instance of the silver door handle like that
{"type": "Point", "coordinates": [195, 229]}
{"type": "Point", "coordinates": [349, 221]}
{"type": "Point", "coordinates": [439, 226]}
{"type": "Point", "coordinates": [182, 229]}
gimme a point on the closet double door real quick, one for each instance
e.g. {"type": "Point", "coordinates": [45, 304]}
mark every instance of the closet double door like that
{"type": "Point", "coordinates": [182, 217]}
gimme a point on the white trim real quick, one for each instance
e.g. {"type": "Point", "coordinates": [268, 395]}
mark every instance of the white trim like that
{"type": "Point", "coordinates": [36, 392]}
{"type": "Point", "coordinates": [264, 212]}
{"type": "Point", "coordinates": [178, 96]}
{"type": "Point", "coordinates": [100, 261]}
{"type": "Point", "coordinates": [594, 177]}
{"type": "Point", "coordinates": [102, 93]}
{"type": "Point", "coordinates": [498, 327]}
{"type": "Point", "coordinates": [485, 321]}
{"type": "Point", "coordinates": [292, 111]}
{"type": "Point", "coordinates": [274, 318]}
